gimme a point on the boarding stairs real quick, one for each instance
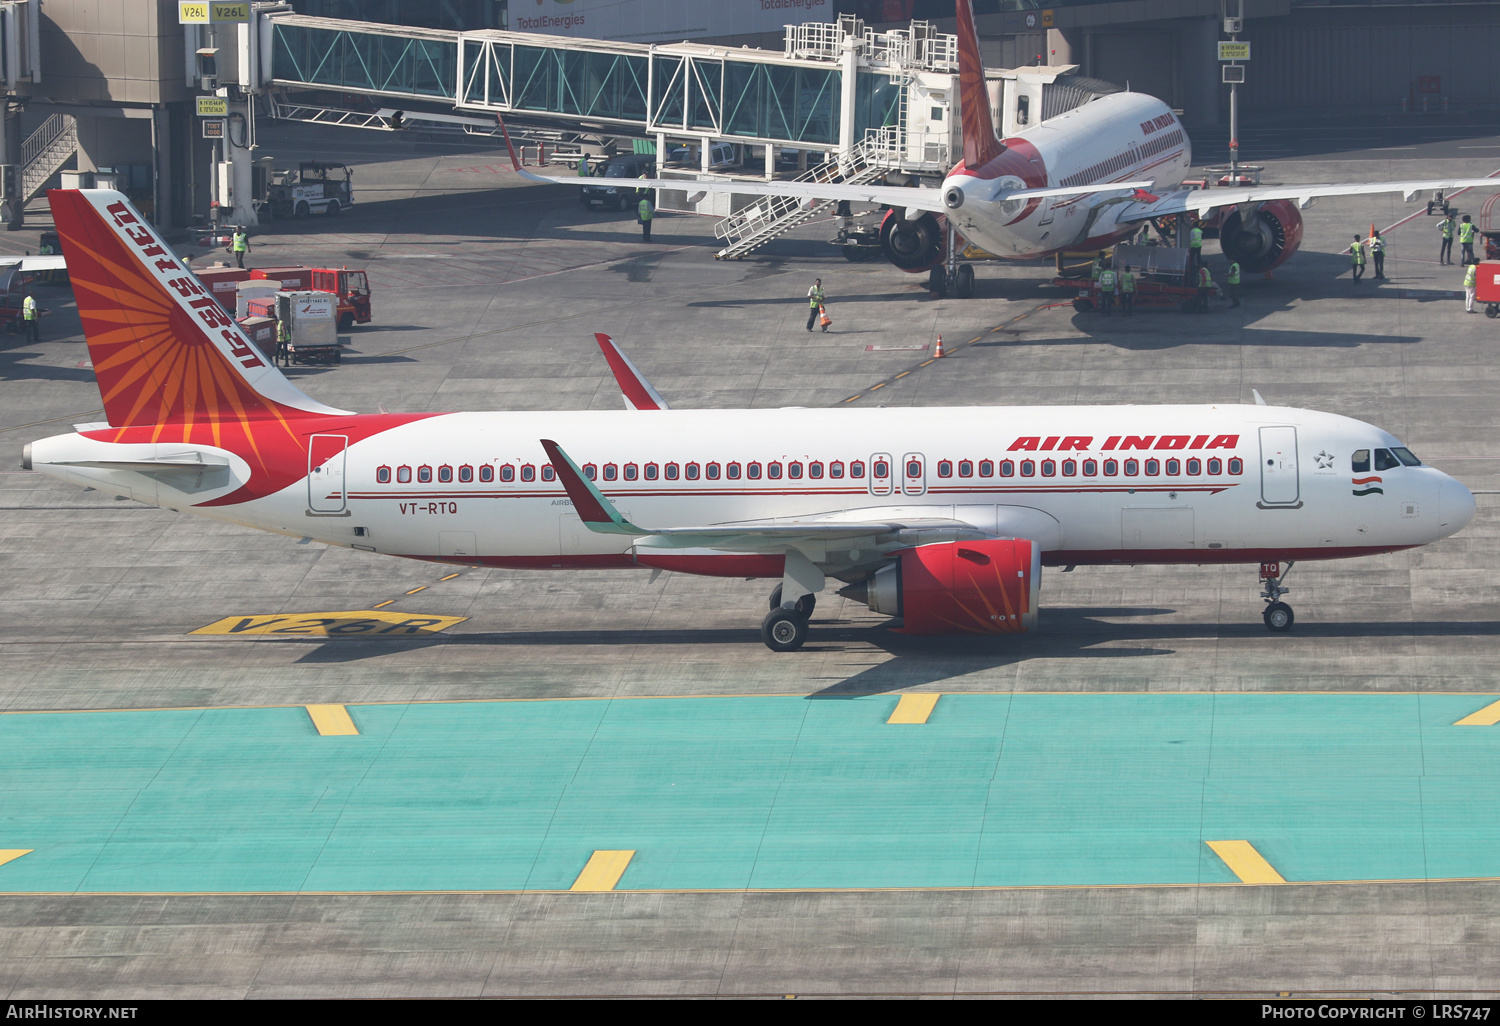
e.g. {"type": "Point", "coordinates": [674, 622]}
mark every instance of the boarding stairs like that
{"type": "Point", "coordinates": [771, 217]}
{"type": "Point", "coordinates": [45, 152]}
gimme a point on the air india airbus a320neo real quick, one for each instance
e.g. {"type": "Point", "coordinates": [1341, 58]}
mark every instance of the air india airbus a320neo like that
{"type": "Point", "coordinates": [941, 518]}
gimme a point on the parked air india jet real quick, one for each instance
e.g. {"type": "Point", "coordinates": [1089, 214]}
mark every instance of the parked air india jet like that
{"type": "Point", "coordinates": [941, 518]}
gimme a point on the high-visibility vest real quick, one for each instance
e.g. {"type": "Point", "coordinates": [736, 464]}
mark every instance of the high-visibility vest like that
{"type": "Point", "coordinates": [1471, 276]}
{"type": "Point", "coordinates": [1098, 268]}
{"type": "Point", "coordinates": [239, 242]}
{"type": "Point", "coordinates": [583, 167]}
{"type": "Point", "coordinates": [1195, 239]}
{"type": "Point", "coordinates": [1358, 253]}
{"type": "Point", "coordinates": [815, 296]}
{"type": "Point", "coordinates": [1107, 281]}
{"type": "Point", "coordinates": [1377, 244]}
{"type": "Point", "coordinates": [28, 309]}
{"type": "Point", "coordinates": [1446, 227]}
{"type": "Point", "coordinates": [1466, 232]}
{"type": "Point", "coordinates": [1233, 277]}
{"type": "Point", "coordinates": [645, 209]}
{"type": "Point", "coordinates": [1205, 280]}
{"type": "Point", "coordinates": [283, 331]}
{"type": "Point", "coordinates": [1127, 281]}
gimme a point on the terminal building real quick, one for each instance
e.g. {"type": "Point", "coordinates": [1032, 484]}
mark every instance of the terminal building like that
{"type": "Point", "coordinates": [116, 88]}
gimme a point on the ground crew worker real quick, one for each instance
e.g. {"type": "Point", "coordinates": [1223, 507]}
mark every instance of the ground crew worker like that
{"type": "Point", "coordinates": [1127, 292]}
{"type": "Point", "coordinates": [583, 166]}
{"type": "Point", "coordinates": [1144, 238]}
{"type": "Point", "coordinates": [283, 344]}
{"type": "Point", "coordinates": [1195, 247]}
{"type": "Point", "coordinates": [1357, 256]}
{"type": "Point", "coordinates": [1466, 240]}
{"type": "Point", "coordinates": [1232, 283]}
{"type": "Point", "coordinates": [1471, 280]}
{"type": "Point", "coordinates": [1445, 254]}
{"type": "Point", "coordinates": [241, 246]}
{"type": "Point", "coordinates": [643, 214]}
{"type": "Point", "coordinates": [1377, 247]}
{"type": "Point", "coordinates": [29, 314]}
{"type": "Point", "coordinates": [814, 302]}
{"type": "Point", "coordinates": [1098, 267]}
{"type": "Point", "coordinates": [1108, 282]}
{"type": "Point", "coordinates": [1205, 288]}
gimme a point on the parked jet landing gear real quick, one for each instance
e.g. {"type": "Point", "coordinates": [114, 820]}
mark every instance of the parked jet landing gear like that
{"type": "Point", "coordinates": [783, 630]}
{"type": "Point", "coordinates": [1278, 615]}
{"type": "Point", "coordinates": [805, 604]}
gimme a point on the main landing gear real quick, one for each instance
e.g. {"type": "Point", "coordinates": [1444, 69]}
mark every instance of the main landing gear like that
{"type": "Point", "coordinates": [1278, 615]}
{"type": "Point", "coordinates": [785, 628]}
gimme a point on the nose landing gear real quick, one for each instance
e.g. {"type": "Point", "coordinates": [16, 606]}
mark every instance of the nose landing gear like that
{"type": "Point", "coordinates": [1278, 615]}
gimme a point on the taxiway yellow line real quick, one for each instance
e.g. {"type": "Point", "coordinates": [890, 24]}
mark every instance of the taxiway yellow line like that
{"type": "Point", "coordinates": [11, 854]}
{"type": "Point", "coordinates": [1245, 862]}
{"type": "Point", "coordinates": [914, 708]}
{"type": "Point", "coordinates": [1486, 717]}
{"type": "Point", "coordinates": [415, 590]}
{"type": "Point", "coordinates": [382, 605]}
{"type": "Point", "coordinates": [448, 578]}
{"type": "Point", "coordinates": [331, 720]}
{"type": "Point", "coordinates": [603, 871]}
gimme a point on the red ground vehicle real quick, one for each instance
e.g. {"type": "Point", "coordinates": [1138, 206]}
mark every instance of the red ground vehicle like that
{"type": "Point", "coordinates": [352, 288]}
{"type": "Point", "coordinates": [221, 281]}
{"type": "Point", "coordinates": [1487, 287]}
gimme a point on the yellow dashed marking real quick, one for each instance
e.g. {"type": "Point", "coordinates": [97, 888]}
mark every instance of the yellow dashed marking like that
{"type": "Point", "coordinates": [415, 590]}
{"type": "Point", "coordinates": [874, 387]}
{"type": "Point", "coordinates": [448, 578]}
{"type": "Point", "coordinates": [603, 871]}
{"type": "Point", "coordinates": [933, 360]}
{"type": "Point", "coordinates": [332, 720]}
{"type": "Point", "coordinates": [914, 708]}
{"type": "Point", "coordinates": [851, 399]}
{"type": "Point", "coordinates": [1245, 862]}
{"type": "Point", "coordinates": [382, 605]}
{"type": "Point", "coordinates": [902, 375]}
{"type": "Point", "coordinates": [1486, 717]}
{"type": "Point", "coordinates": [11, 854]}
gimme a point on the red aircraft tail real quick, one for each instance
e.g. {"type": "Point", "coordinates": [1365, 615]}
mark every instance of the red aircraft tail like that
{"type": "Point", "coordinates": [980, 144]}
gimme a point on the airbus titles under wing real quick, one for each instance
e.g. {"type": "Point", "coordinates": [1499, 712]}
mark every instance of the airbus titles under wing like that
{"type": "Point", "coordinates": [1199, 201]}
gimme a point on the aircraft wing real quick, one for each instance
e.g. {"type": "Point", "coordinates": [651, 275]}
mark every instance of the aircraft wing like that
{"type": "Point", "coordinates": [599, 515]}
{"type": "Point", "coordinates": [30, 264]}
{"type": "Point", "coordinates": [1199, 201]}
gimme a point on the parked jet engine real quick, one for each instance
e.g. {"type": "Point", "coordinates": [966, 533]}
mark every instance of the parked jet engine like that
{"type": "Point", "coordinates": [967, 587]}
{"type": "Point", "coordinates": [1264, 240]}
{"type": "Point", "coordinates": [913, 246]}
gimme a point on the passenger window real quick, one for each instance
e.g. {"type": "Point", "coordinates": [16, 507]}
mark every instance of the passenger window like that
{"type": "Point", "coordinates": [1007, 468]}
{"type": "Point", "coordinates": [445, 474]}
{"type": "Point", "coordinates": [945, 468]}
{"type": "Point", "coordinates": [1090, 468]}
{"type": "Point", "coordinates": [1153, 467]}
{"type": "Point", "coordinates": [1195, 466]}
{"type": "Point", "coordinates": [815, 470]}
{"type": "Point", "coordinates": [1049, 468]}
{"type": "Point", "coordinates": [1070, 468]}
{"type": "Point", "coordinates": [1405, 456]}
{"type": "Point", "coordinates": [632, 471]}
{"type": "Point", "coordinates": [672, 471]}
{"type": "Point", "coordinates": [1174, 467]}
{"type": "Point", "coordinates": [836, 469]}
{"type": "Point", "coordinates": [487, 473]}
{"type": "Point", "coordinates": [1384, 460]}
{"type": "Point", "coordinates": [1028, 468]}
{"type": "Point", "coordinates": [382, 475]}
{"type": "Point", "coordinates": [692, 471]}
{"type": "Point", "coordinates": [508, 473]}
{"type": "Point", "coordinates": [611, 472]}
{"type": "Point", "coordinates": [652, 472]}
{"type": "Point", "coordinates": [466, 474]}
{"type": "Point", "coordinates": [1360, 461]}
{"type": "Point", "coordinates": [965, 468]}
{"type": "Point", "coordinates": [1132, 468]}
{"type": "Point", "coordinates": [548, 474]}
{"type": "Point", "coordinates": [1111, 468]}
{"type": "Point", "coordinates": [590, 471]}
{"type": "Point", "coordinates": [528, 473]}
{"type": "Point", "coordinates": [752, 471]}
{"type": "Point", "coordinates": [1216, 466]}
{"type": "Point", "coordinates": [424, 474]}
{"type": "Point", "coordinates": [986, 468]}
{"type": "Point", "coordinates": [733, 471]}
{"type": "Point", "coordinates": [913, 468]}
{"type": "Point", "coordinates": [1236, 465]}
{"type": "Point", "coordinates": [880, 468]}
{"type": "Point", "coordinates": [773, 470]}
{"type": "Point", "coordinates": [857, 468]}
{"type": "Point", "coordinates": [794, 469]}
{"type": "Point", "coordinates": [711, 471]}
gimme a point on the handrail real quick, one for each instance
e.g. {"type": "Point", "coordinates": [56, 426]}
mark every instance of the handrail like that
{"type": "Point", "coordinates": [49, 132]}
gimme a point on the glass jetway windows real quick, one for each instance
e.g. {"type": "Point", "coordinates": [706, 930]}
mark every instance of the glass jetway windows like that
{"type": "Point", "coordinates": [704, 87]}
{"type": "Point", "coordinates": [605, 85]}
{"type": "Point", "coordinates": [363, 60]}
{"type": "Point", "coordinates": [877, 102]}
{"type": "Point", "coordinates": [685, 92]}
{"type": "Point", "coordinates": [486, 67]}
{"type": "Point", "coordinates": [773, 101]}
{"type": "Point", "coordinates": [668, 88]}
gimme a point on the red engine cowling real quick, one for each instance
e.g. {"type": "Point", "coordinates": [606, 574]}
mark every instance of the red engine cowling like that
{"type": "Point", "coordinates": [971, 587]}
{"type": "Point", "coordinates": [1271, 235]}
{"type": "Point", "coordinates": [913, 246]}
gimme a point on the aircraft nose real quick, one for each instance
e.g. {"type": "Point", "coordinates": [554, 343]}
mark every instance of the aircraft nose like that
{"type": "Point", "coordinates": [1455, 506]}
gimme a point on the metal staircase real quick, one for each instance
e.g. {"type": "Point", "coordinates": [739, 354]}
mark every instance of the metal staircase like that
{"type": "Point", "coordinates": [45, 151]}
{"type": "Point", "coordinates": [770, 217]}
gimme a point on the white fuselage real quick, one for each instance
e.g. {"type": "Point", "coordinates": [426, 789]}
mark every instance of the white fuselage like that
{"type": "Point", "coordinates": [1121, 137]}
{"type": "Point", "coordinates": [1135, 484]}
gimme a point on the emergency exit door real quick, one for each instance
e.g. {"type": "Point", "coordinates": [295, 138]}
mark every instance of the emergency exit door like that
{"type": "Point", "coordinates": [1278, 467]}
{"type": "Point", "coordinates": [326, 491]}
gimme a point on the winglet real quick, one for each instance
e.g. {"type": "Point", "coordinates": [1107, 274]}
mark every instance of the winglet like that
{"type": "Point", "coordinates": [1142, 196]}
{"type": "Point", "coordinates": [597, 513]}
{"type": "Point", "coordinates": [1258, 400]}
{"type": "Point", "coordinates": [516, 161]}
{"type": "Point", "coordinates": [639, 395]}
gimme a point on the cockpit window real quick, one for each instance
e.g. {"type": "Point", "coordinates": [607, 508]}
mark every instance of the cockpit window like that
{"type": "Point", "coordinates": [1361, 461]}
{"type": "Point", "coordinates": [1404, 455]}
{"type": "Point", "coordinates": [1385, 460]}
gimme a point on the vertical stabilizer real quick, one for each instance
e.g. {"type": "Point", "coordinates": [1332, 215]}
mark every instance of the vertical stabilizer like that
{"type": "Point", "coordinates": [980, 144]}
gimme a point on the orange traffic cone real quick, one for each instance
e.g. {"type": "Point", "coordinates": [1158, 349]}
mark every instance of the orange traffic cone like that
{"type": "Point", "coordinates": [939, 354]}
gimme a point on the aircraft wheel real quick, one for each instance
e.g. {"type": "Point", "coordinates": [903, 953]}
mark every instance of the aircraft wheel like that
{"type": "Point", "coordinates": [783, 631]}
{"type": "Point", "coordinates": [937, 282]}
{"type": "Point", "coordinates": [1278, 616]}
{"type": "Point", "coordinates": [1083, 305]}
{"type": "Point", "coordinates": [964, 281]}
{"type": "Point", "coordinates": [805, 605]}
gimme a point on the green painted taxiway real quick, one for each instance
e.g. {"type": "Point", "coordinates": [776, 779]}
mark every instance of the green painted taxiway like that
{"type": "Point", "coordinates": [728, 793]}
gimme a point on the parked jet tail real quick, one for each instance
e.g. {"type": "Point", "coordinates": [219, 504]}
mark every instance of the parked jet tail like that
{"type": "Point", "coordinates": [980, 144]}
{"type": "Point", "coordinates": [167, 356]}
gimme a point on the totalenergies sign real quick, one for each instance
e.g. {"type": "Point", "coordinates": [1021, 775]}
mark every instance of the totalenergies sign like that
{"type": "Point", "coordinates": [650, 21]}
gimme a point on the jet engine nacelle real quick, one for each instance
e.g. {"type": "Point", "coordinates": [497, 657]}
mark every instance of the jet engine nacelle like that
{"type": "Point", "coordinates": [913, 246]}
{"type": "Point", "coordinates": [967, 587]}
{"type": "Point", "coordinates": [1265, 239]}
